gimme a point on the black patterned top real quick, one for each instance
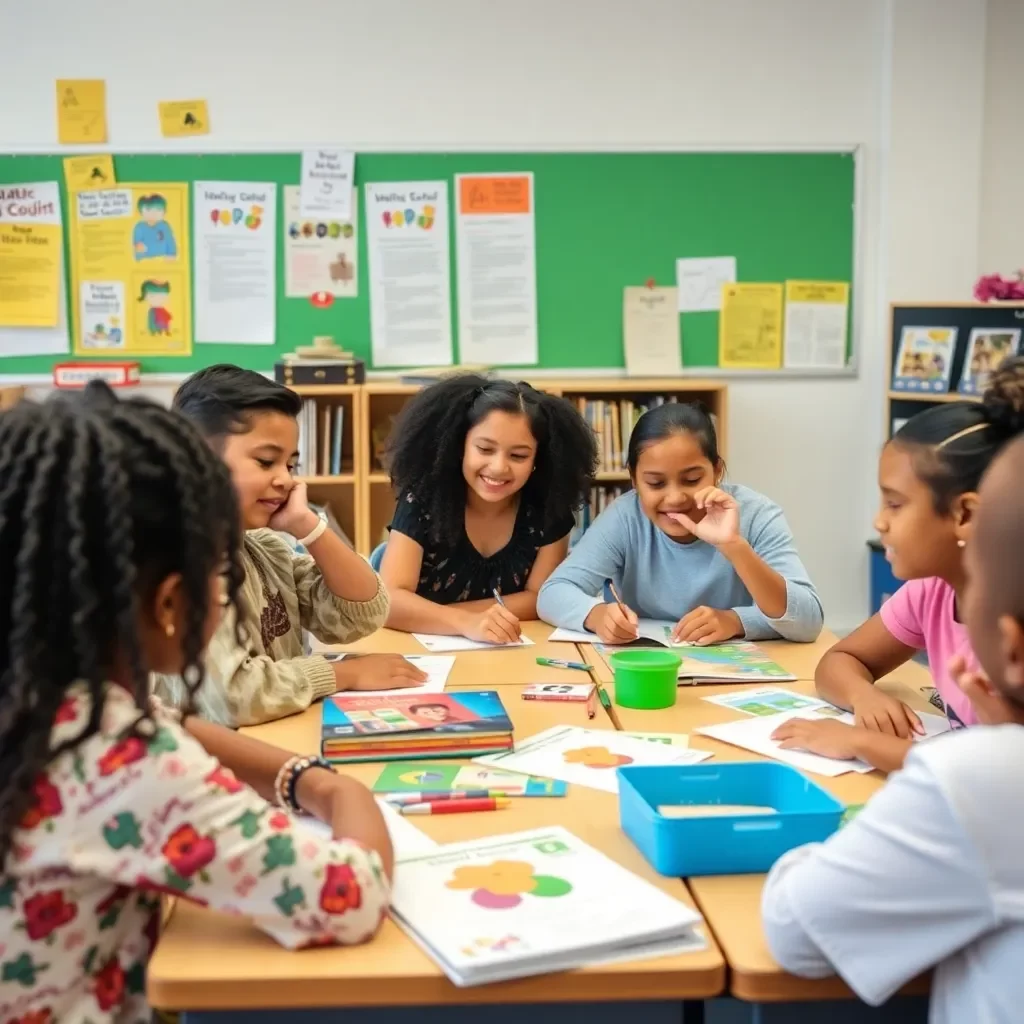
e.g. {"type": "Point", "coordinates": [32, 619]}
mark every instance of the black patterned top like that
{"type": "Point", "coordinates": [461, 573]}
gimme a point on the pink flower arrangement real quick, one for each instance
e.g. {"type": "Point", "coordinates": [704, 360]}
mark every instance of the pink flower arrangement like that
{"type": "Point", "coordinates": [993, 287]}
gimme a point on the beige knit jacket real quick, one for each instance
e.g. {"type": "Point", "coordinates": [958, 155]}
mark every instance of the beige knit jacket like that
{"type": "Point", "coordinates": [270, 676]}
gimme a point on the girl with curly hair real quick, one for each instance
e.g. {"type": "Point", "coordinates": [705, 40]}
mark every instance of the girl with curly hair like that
{"type": "Point", "coordinates": [488, 474]}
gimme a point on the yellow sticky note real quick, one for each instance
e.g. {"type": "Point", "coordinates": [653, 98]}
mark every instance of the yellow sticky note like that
{"type": "Point", "coordinates": [750, 327]}
{"type": "Point", "coordinates": [837, 292]}
{"type": "Point", "coordinates": [184, 117]}
{"type": "Point", "coordinates": [85, 172]}
{"type": "Point", "coordinates": [81, 110]}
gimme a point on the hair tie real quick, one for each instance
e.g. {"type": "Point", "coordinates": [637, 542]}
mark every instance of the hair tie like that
{"type": "Point", "coordinates": [962, 433]}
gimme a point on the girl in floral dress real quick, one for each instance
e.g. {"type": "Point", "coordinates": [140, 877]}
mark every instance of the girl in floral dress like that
{"type": "Point", "coordinates": [119, 541]}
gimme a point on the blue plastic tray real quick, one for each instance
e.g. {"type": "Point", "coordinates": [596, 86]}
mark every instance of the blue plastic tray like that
{"type": "Point", "coordinates": [726, 845]}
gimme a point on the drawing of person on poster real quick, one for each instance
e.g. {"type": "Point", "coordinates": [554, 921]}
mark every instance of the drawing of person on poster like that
{"type": "Point", "coordinates": [155, 294]}
{"type": "Point", "coordinates": [153, 236]}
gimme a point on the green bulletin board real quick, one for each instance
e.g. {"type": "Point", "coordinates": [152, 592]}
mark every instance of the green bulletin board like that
{"type": "Point", "coordinates": [603, 221]}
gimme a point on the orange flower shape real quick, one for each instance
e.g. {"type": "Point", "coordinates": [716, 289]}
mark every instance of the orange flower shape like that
{"type": "Point", "coordinates": [596, 757]}
{"type": "Point", "coordinates": [501, 877]}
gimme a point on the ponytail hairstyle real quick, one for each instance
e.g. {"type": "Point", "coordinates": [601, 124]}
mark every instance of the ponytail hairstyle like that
{"type": "Point", "coordinates": [663, 421]}
{"type": "Point", "coordinates": [953, 444]}
{"type": "Point", "coordinates": [425, 449]}
{"type": "Point", "coordinates": [100, 501]}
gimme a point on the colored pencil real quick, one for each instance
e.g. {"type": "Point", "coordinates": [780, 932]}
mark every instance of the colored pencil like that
{"type": "Point", "coordinates": [562, 663]}
{"type": "Point", "coordinates": [606, 703]}
{"type": "Point", "coordinates": [455, 806]}
{"type": "Point", "coordinates": [447, 794]}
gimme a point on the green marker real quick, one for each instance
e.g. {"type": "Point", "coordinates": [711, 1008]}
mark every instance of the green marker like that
{"type": "Point", "coordinates": [562, 663]}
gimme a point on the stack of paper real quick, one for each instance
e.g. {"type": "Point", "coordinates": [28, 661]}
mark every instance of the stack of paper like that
{"type": "Point", "coordinates": [438, 644]}
{"type": "Point", "coordinates": [533, 903]}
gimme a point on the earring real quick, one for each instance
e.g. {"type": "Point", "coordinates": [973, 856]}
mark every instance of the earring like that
{"type": "Point", "coordinates": [961, 543]}
{"type": "Point", "coordinates": [169, 629]}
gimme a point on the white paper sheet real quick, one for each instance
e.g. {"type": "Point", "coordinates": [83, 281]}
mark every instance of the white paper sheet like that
{"type": "Point", "coordinates": [437, 667]}
{"type": "Point", "coordinates": [700, 282]}
{"type": "Point", "coordinates": [497, 269]}
{"type": "Point", "coordinates": [410, 274]}
{"type": "Point", "coordinates": [320, 253]}
{"type": "Point", "coordinates": [650, 331]}
{"type": "Point", "coordinates": [235, 282]}
{"type": "Point", "coordinates": [574, 636]}
{"type": "Point", "coordinates": [815, 331]}
{"type": "Point", "coordinates": [406, 838]}
{"type": "Point", "coordinates": [328, 174]}
{"type": "Point", "coordinates": [438, 644]}
{"type": "Point", "coordinates": [755, 734]}
{"type": "Point", "coordinates": [588, 757]}
{"type": "Point", "coordinates": [33, 341]}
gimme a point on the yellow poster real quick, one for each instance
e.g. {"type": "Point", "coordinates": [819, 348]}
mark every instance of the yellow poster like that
{"type": "Point", "coordinates": [184, 117]}
{"type": "Point", "coordinates": [750, 327]}
{"type": "Point", "coordinates": [86, 172]}
{"type": "Point", "coordinates": [130, 270]}
{"type": "Point", "coordinates": [31, 243]}
{"type": "Point", "coordinates": [81, 111]}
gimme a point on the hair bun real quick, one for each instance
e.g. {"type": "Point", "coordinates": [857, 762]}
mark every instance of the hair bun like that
{"type": "Point", "coordinates": [98, 395]}
{"type": "Point", "coordinates": [1003, 401]}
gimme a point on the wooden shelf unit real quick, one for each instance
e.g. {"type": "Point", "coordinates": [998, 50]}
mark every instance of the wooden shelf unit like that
{"type": "Point", "coordinates": [362, 498]}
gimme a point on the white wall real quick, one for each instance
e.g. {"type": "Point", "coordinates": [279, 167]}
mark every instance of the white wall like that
{"type": "Point", "coordinates": [1001, 234]}
{"type": "Point", "coordinates": [907, 88]}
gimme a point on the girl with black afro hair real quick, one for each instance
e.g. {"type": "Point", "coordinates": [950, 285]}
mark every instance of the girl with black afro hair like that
{"type": "Point", "coordinates": [488, 474]}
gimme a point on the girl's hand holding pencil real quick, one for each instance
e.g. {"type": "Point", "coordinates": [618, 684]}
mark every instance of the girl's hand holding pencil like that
{"type": "Point", "coordinates": [613, 623]}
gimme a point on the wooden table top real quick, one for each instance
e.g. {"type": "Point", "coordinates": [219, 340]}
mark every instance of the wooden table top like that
{"type": "Point", "coordinates": [209, 961]}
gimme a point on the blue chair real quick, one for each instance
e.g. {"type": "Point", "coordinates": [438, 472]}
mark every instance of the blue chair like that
{"type": "Point", "coordinates": [377, 556]}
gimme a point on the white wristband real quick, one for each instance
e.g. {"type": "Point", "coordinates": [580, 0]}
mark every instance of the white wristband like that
{"type": "Point", "coordinates": [315, 534]}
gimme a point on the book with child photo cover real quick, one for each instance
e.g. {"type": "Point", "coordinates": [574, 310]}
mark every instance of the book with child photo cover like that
{"type": "Point", "coordinates": [925, 359]}
{"type": "Point", "coordinates": [533, 903]}
{"type": "Point", "coordinates": [365, 728]}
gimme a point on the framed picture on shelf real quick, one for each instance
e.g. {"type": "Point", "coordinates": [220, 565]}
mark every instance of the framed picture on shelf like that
{"type": "Point", "coordinates": [986, 349]}
{"type": "Point", "coordinates": [924, 360]}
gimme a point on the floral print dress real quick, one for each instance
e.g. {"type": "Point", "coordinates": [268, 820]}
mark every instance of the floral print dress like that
{"type": "Point", "coordinates": [121, 819]}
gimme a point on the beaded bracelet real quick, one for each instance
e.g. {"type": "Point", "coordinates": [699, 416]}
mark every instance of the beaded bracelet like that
{"type": "Point", "coordinates": [280, 780]}
{"type": "Point", "coordinates": [297, 771]}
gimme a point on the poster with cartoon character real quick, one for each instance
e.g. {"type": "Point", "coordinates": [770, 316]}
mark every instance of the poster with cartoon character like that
{"type": "Point", "coordinates": [130, 270]}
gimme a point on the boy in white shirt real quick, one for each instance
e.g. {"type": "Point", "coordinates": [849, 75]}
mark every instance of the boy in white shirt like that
{"type": "Point", "coordinates": [930, 874]}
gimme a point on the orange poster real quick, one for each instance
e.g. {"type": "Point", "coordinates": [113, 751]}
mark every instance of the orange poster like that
{"type": "Point", "coordinates": [501, 195]}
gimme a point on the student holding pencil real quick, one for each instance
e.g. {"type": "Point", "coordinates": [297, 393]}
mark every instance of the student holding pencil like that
{"type": "Point", "coordinates": [717, 559]}
{"type": "Point", "coordinates": [488, 474]}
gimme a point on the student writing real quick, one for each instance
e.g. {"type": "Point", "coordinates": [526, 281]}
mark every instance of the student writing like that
{"type": "Point", "coordinates": [119, 541]}
{"type": "Point", "coordinates": [487, 474]}
{"type": "Point", "coordinates": [929, 874]}
{"type": "Point", "coordinates": [928, 475]}
{"type": "Point", "coordinates": [257, 667]}
{"type": "Point", "coordinates": [716, 558]}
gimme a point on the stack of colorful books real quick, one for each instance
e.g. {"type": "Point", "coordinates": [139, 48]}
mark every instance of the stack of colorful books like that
{"type": "Point", "coordinates": [409, 727]}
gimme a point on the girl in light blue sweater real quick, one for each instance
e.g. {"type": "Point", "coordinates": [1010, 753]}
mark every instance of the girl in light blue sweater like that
{"type": "Point", "coordinates": [718, 559]}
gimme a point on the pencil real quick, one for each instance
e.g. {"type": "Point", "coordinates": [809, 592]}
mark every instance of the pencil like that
{"type": "Point", "coordinates": [618, 601]}
{"type": "Point", "coordinates": [591, 710]}
{"type": "Point", "coordinates": [455, 806]}
{"type": "Point", "coordinates": [606, 703]}
{"type": "Point", "coordinates": [497, 597]}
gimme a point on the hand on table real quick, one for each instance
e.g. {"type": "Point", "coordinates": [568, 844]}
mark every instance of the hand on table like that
{"type": "Point", "coordinates": [876, 711]}
{"type": "Point", "coordinates": [705, 626]}
{"type": "Point", "coordinates": [376, 672]}
{"type": "Point", "coordinates": [497, 625]}
{"type": "Point", "coordinates": [826, 738]}
{"type": "Point", "coordinates": [613, 624]}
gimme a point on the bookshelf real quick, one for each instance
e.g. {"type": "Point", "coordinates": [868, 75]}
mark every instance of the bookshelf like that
{"type": "Point", "coordinates": [361, 495]}
{"type": "Point", "coordinates": [966, 318]}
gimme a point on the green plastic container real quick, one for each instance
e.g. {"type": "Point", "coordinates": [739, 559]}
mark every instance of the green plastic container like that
{"type": "Point", "coordinates": [645, 679]}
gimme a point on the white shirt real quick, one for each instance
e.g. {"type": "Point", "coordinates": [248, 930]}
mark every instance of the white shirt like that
{"type": "Point", "coordinates": [929, 874]}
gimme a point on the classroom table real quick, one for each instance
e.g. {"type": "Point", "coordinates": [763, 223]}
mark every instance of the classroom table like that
{"type": "Point", "coordinates": [799, 660]}
{"type": "Point", "coordinates": [207, 962]}
{"type": "Point", "coordinates": [731, 904]}
{"type": "Point", "coordinates": [506, 666]}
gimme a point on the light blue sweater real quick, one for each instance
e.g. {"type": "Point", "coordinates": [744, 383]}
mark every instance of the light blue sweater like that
{"type": "Point", "coordinates": [659, 578]}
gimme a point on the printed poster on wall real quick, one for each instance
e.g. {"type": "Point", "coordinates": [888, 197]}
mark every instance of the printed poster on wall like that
{"type": "Point", "coordinates": [497, 269]}
{"type": "Point", "coordinates": [236, 262]}
{"type": "Point", "coordinates": [32, 298]}
{"type": "Point", "coordinates": [319, 252]}
{"type": "Point", "coordinates": [410, 277]}
{"type": "Point", "coordinates": [130, 275]}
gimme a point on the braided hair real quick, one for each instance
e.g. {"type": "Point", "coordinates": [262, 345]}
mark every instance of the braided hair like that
{"type": "Point", "coordinates": [100, 501]}
{"type": "Point", "coordinates": [424, 451]}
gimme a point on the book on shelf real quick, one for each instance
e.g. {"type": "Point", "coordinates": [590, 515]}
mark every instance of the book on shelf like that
{"type": "Point", "coordinates": [409, 727]}
{"type": "Point", "coordinates": [601, 496]}
{"type": "Point", "coordinates": [924, 359]}
{"type": "Point", "coordinates": [321, 438]}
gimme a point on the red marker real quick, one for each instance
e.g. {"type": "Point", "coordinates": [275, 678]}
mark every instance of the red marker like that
{"type": "Point", "coordinates": [455, 806]}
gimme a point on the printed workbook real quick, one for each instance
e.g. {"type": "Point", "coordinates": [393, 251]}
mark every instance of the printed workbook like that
{"type": "Point", "coordinates": [742, 662]}
{"type": "Point", "coordinates": [439, 778]}
{"type": "Point", "coordinates": [372, 728]}
{"type": "Point", "coordinates": [534, 903]}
